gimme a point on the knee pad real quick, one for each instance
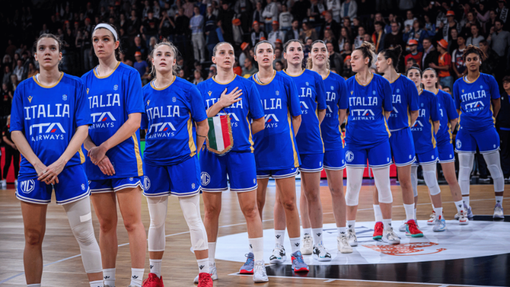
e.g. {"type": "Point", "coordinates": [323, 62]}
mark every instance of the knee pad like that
{"type": "Point", "coordinates": [157, 211]}
{"type": "Point", "coordinates": [466, 160]}
{"type": "Point", "coordinates": [382, 181]}
{"type": "Point", "coordinates": [429, 175]}
{"type": "Point", "coordinates": [191, 210]}
{"type": "Point", "coordinates": [80, 219]}
{"type": "Point", "coordinates": [354, 180]}
{"type": "Point", "coordinates": [494, 165]}
{"type": "Point", "coordinates": [414, 179]}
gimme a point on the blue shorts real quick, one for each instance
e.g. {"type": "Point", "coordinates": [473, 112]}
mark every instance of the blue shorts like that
{"type": "Point", "coordinates": [115, 184]}
{"type": "Point", "coordinates": [73, 186]}
{"type": "Point", "coordinates": [240, 167]}
{"type": "Point", "coordinates": [487, 141]}
{"type": "Point", "coordinates": [429, 157]}
{"type": "Point", "coordinates": [445, 152]}
{"type": "Point", "coordinates": [182, 179]}
{"type": "Point", "coordinates": [402, 147]}
{"type": "Point", "coordinates": [311, 162]}
{"type": "Point", "coordinates": [334, 159]}
{"type": "Point", "coordinates": [378, 156]}
{"type": "Point", "coordinates": [277, 174]}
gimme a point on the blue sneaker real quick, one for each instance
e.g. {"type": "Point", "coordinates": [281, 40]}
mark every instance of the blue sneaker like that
{"type": "Point", "coordinates": [470, 214]}
{"type": "Point", "coordinates": [298, 264]}
{"type": "Point", "coordinates": [439, 224]}
{"type": "Point", "coordinates": [248, 265]}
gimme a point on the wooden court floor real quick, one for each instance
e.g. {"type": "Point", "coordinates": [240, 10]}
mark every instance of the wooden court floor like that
{"type": "Point", "coordinates": [63, 266]}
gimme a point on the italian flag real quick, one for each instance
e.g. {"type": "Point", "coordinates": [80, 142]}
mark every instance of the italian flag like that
{"type": "Point", "coordinates": [220, 139]}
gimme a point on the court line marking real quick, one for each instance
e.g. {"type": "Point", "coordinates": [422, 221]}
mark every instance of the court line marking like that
{"type": "Point", "coordinates": [236, 224]}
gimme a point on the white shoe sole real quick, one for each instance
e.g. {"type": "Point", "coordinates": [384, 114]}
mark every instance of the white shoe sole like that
{"type": "Point", "coordinates": [321, 259]}
{"type": "Point", "coordinates": [345, 251]}
{"type": "Point", "coordinates": [464, 222]}
{"type": "Point", "coordinates": [278, 261]}
{"type": "Point", "coordinates": [306, 252]}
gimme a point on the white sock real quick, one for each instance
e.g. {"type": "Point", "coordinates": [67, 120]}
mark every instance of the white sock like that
{"type": "Point", "coordinates": [307, 231]}
{"type": "Point", "coordinates": [295, 243]}
{"type": "Point", "coordinates": [258, 248]}
{"type": "Point", "coordinates": [377, 213]}
{"type": "Point", "coordinates": [460, 206]}
{"type": "Point", "coordinates": [415, 216]}
{"type": "Point", "coordinates": [137, 276]}
{"type": "Point", "coordinates": [499, 199]}
{"type": "Point", "coordinates": [34, 285]}
{"type": "Point", "coordinates": [409, 211]}
{"type": "Point", "coordinates": [465, 198]}
{"type": "Point", "coordinates": [387, 223]}
{"type": "Point", "coordinates": [317, 236]}
{"type": "Point", "coordinates": [98, 283]}
{"type": "Point", "coordinates": [155, 266]}
{"type": "Point", "coordinates": [279, 237]}
{"type": "Point", "coordinates": [439, 211]}
{"type": "Point", "coordinates": [341, 230]}
{"type": "Point", "coordinates": [203, 266]}
{"type": "Point", "coordinates": [109, 276]}
{"type": "Point", "coordinates": [250, 248]}
{"type": "Point", "coordinates": [351, 224]}
{"type": "Point", "coordinates": [212, 252]}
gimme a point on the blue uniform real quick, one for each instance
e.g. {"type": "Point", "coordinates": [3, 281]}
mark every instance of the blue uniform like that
{"type": "Point", "coordinates": [447, 112]}
{"type": "Point", "coordinates": [476, 119]}
{"type": "Point", "coordinates": [49, 117]}
{"type": "Point", "coordinates": [312, 97]}
{"type": "Point", "coordinates": [276, 152]}
{"type": "Point", "coordinates": [367, 134]}
{"type": "Point", "coordinates": [405, 100]}
{"type": "Point", "coordinates": [423, 129]}
{"type": "Point", "coordinates": [239, 162]}
{"type": "Point", "coordinates": [336, 99]}
{"type": "Point", "coordinates": [111, 99]}
{"type": "Point", "coordinates": [170, 149]}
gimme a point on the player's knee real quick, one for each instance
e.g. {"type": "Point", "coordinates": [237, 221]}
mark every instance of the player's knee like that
{"type": "Point", "coordinates": [250, 211]}
{"type": "Point", "coordinates": [84, 233]}
{"type": "Point", "coordinates": [385, 196]}
{"type": "Point", "coordinates": [34, 237]}
{"type": "Point", "coordinates": [132, 225]}
{"type": "Point", "coordinates": [289, 204]}
{"type": "Point", "coordinates": [337, 191]}
{"type": "Point", "coordinates": [211, 211]}
{"type": "Point", "coordinates": [107, 225]}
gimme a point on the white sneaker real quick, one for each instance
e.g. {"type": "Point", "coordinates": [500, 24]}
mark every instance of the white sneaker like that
{"type": "Point", "coordinates": [278, 255]}
{"type": "Point", "coordinates": [343, 244]}
{"type": "Point", "coordinates": [498, 212]}
{"type": "Point", "coordinates": [320, 253]}
{"type": "Point", "coordinates": [439, 225]}
{"type": "Point", "coordinates": [307, 247]}
{"type": "Point", "coordinates": [432, 219]}
{"type": "Point", "coordinates": [463, 220]}
{"type": "Point", "coordinates": [403, 227]}
{"type": "Point", "coordinates": [259, 272]}
{"type": "Point", "coordinates": [212, 271]}
{"type": "Point", "coordinates": [390, 237]}
{"type": "Point", "coordinates": [353, 240]}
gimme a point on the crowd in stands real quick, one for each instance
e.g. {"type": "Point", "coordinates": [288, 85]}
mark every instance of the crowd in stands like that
{"type": "Point", "coordinates": [432, 33]}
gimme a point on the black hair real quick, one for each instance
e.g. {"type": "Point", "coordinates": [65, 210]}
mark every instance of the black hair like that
{"type": "Point", "coordinates": [47, 35]}
{"type": "Point", "coordinates": [291, 41]}
{"type": "Point", "coordinates": [414, 67]}
{"type": "Point", "coordinates": [471, 49]}
{"type": "Point", "coordinates": [117, 51]}
{"type": "Point", "coordinates": [263, 42]}
{"type": "Point", "coordinates": [394, 54]}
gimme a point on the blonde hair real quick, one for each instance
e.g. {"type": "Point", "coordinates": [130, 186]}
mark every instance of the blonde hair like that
{"type": "Point", "coordinates": [174, 52]}
{"type": "Point", "coordinates": [368, 51]}
{"type": "Point", "coordinates": [309, 61]}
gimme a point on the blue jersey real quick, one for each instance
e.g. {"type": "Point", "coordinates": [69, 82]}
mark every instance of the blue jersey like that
{"type": "Point", "coordinates": [49, 116]}
{"type": "Point", "coordinates": [447, 112]}
{"type": "Point", "coordinates": [111, 99]}
{"type": "Point", "coordinates": [423, 129]}
{"type": "Point", "coordinates": [312, 97]}
{"type": "Point", "coordinates": [170, 116]}
{"type": "Point", "coordinates": [275, 146]}
{"type": "Point", "coordinates": [336, 98]}
{"type": "Point", "coordinates": [405, 100]}
{"type": "Point", "coordinates": [366, 124]}
{"type": "Point", "coordinates": [474, 102]}
{"type": "Point", "coordinates": [241, 113]}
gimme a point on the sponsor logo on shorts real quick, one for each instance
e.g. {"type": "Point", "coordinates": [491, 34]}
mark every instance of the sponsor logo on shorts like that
{"type": "Point", "coordinates": [193, 186]}
{"type": "Point", "coordinates": [27, 186]}
{"type": "Point", "coordinates": [146, 183]}
{"type": "Point", "coordinates": [205, 178]}
{"type": "Point", "coordinates": [349, 156]}
{"type": "Point", "coordinates": [458, 144]}
{"type": "Point", "coordinates": [254, 181]}
{"type": "Point", "coordinates": [82, 186]}
{"type": "Point", "coordinates": [130, 179]}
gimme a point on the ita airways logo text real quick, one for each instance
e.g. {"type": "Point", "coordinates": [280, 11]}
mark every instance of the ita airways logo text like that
{"type": "Point", "coordinates": [407, 249]}
{"type": "Point", "coordinates": [159, 130]}
{"type": "Point", "coordinates": [102, 120]}
{"type": "Point", "coordinates": [304, 107]}
{"type": "Point", "coordinates": [475, 106]}
{"type": "Point", "coordinates": [362, 114]}
{"type": "Point", "coordinates": [46, 131]}
{"type": "Point", "coordinates": [418, 126]}
{"type": "Point", "coordinates": [271, 121]}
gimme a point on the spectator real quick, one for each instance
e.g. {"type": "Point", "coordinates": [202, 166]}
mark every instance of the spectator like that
{"type": "Point", "coordinates": [212, 71]}
{"type": "Point", "coordinates": [12, 153]}
{"type": "Point", "coordinates": [32, 71]}
{"type": "Point", "coordinates": [482, 14]}
{"type": "Point", "coordinates": [19, 70]}
{"type": "Point", "coordinates": [452, 43]}
{"type": "Point", "coordinates": [270, 14]}
{"type": "Point", "coordinates": [166, 26]}
{"type": "Point", "coordinates": [237, 69]}
{"type": "Point", "coordinates": [457, 59]}
{"type": "Point", "coordinates": [491, 63]}
{"type": "Point", "coordinates": [256, 34]}
{"type": "Point", "coordinates": [275, 34]}
{"type": "Point", "coordinates": [182, 31]}
{"type": "Point", "coordinates": [329, 23]}
{"type": "Point", "coordinates": [499, 40]}
{"type": "Point", "coordinates": [278, 56]}
{"type": "Point", "coordinates": [335, 8]}
{"type": "Point", "coordinates": [344, 37]}
{"type": "Point", "coordinates": [308, 32]}
{"type": "Point", "coordinates": [475, 38]}
{"type": "Point", "coordinates": [257, 14]}
{"type": "Point", "coordinates": [409, 22]}
{"type": "Point", "coordinates": [467, 23]}
{"type": "Point", "coordinates": [444, 29]}
{"type": "Point", "coordinates": [414, 54]}
{"type": "Point", "coordinates": [244, 8]}
{"type": "Point", "coordinates": [328, 37]}
{"type": "Point", "coordinates": [294, 32]}
{"type": "Point", "coordinates": [336, 62]}
{"type": "Point", "coordinates": [300, 9]}
{"type": "Point", "coordinates": [188, 8]}
{"type": "Point", "coordinates": [5, 107]}
{"type": "Point", "coordinates": [10, 48]}
{"type": "Point", "coordinates": [411, 62]}
{"type": "Point", "coordinates": [315, 16]}
{"type": "Point", "coordinates": [226, 15]}
{"type": "Point", "coordinates": [278, 65]}
{"type": "Point", "coordinates": [346, 51]}
{"type": "Point", "coordinates": [139, 46]}
{"type": "Point", "coordinates": [7, 75]}
{"type": "Point", "coordinates": [14, 82]}
{"type": "Point", "coordinates": [394, 38]}
{"type": "Point", "coordinates": [249, 69]}
{"type": "Point", "coordinates": [196, 25]}
{"type": "Point", "coordinates": [502, 12]}
{"type": "Point", "coordinates": [245, 53]}
{"type": "Point", "coordinates": [417, 33]}
{"type": "Point", "coordinates": [197, 77]}
{"type": "Point", "coordinates": [285, 19]}
{"type": "Point", "coordinates": [378, 36]}
{"type": "Point", "coordinates": [347, 71]}
{"type": "Point", "coordinates": [140, 65]}
{"type": "Point", "coordinates": [503, 126]}
{"type": "Point", "coordinates": [360, 38]}
{"type": "Point", "coordinates": [430, 54]}
{"type": "Point", "coordinates": [349, 9]}
{"type": "Point", "coordinates": [152, 43]}
{"type": "Point", "coordinates": [149, 28]}
{"type": "Point", "coordinates": [444, 64]}
{"type": "Point", "coordinates": [429, 27]}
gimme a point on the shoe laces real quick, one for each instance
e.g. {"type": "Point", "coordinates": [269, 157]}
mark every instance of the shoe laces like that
{"type": "Point", "coordinates": [249, 259]}
{"type": "Point", "coordinates": [390, 234]}
{"type": "Point", "coordinates": [298, 257]}
{"type": "Point", "coordinates": [203, 279]}
{"type": "Point", "coordinates": [379, 227]}
{"type": "Point", "coordinates": [321, 248]}
{"type": "Point", "coordinates": [412, 227]}
{"type": "Point", "coordinates": [344, 240]}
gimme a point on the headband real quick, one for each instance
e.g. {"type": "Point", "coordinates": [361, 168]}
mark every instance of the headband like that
{"type": "Point", "coordinates": [109, 28]}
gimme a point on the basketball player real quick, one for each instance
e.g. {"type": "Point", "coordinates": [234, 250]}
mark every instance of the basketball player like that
{"type": "Point", "coordinates": [49, 122]}
{"type": "Point", "coordinates": [114, 164]}
{"type": "Point", "coordinates": [478, 102]}
{"type": "Point", "coordinates": [173, 107]}
{"type": "Point", "coordinates": [228, 94]}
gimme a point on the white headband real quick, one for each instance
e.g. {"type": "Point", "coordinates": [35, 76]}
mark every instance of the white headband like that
{"type": "Point", "coordinates": [109, 27]}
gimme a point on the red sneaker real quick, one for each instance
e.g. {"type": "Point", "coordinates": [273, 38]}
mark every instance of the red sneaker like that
{"type": "Point", "coordinates": [153, 281]}
{"type": "Point", "coordinates": [205, 280]}
{"type": "Point", "coordinates": [378, 230]}
{"type": "Point", "coordinates": [412, 229]}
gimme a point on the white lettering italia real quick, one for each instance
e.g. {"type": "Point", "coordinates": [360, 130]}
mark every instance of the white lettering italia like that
{"type": "Point", "coordinates": [101, 101]}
